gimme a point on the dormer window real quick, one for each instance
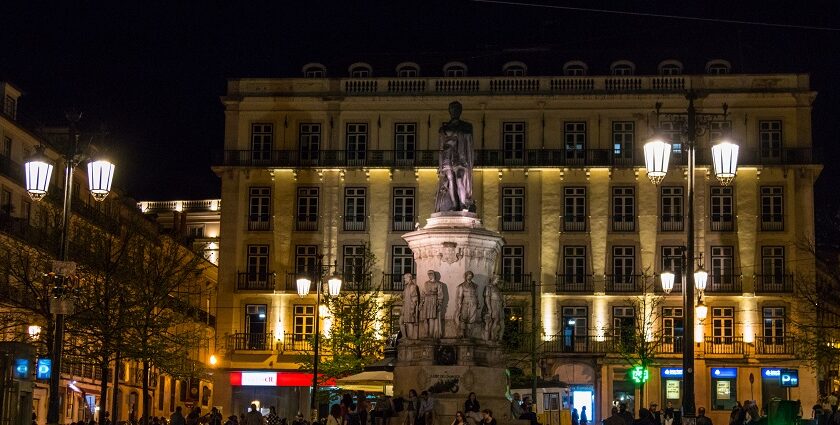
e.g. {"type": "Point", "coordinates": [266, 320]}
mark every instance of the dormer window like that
{"type": "Point", "coordinates": [718, 67]}
{"type": "Point", "coordinates": [455, 69]}
{"type": "Point", "coordinates": [623, 68]}
{"type": "Point", "coordinates": [575, 69]}
{"type": "Point", "coordinates": [360, 70]}
{"type": "Point", "coordinates": [670, 67]}
{"type": "Point", "coordinates": [314, 70]}
{"type": "Point", "coordinates": [408, 70]}
{"type": "Point", "coordinates": [514, 69]}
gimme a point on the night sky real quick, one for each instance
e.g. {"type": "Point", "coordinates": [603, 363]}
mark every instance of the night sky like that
{"type": "Point", "coordinates": [152, 72]}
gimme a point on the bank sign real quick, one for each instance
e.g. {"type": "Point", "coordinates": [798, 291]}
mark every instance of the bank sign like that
{"type": "Point", "coordinates": [785, 377]}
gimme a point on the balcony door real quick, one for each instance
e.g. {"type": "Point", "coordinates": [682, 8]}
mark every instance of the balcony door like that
{"type": "Point", "coordinates": [256, 320]}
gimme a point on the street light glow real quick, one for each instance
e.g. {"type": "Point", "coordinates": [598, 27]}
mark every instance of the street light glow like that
{"type": "Point", "coordinates": [38, 169]}
{"type": "Point", "coordinates": [303, 286]}
{"type": "Point", "coordinates": [100, 177]}
{"type": "Point", "coordinates": [657, 156]}
{"type": "Point", "coordinates": [667, 279]}
{"type": "Point", "coordinates": [725, 159]}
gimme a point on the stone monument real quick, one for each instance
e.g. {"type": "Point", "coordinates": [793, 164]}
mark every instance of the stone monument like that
{"type": "Point", "coordinates": [452, 323]}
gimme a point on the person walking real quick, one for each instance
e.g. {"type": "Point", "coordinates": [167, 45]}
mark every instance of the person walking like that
{"type": "Point", "coordinates": [627, 416]}
{"type": "Point", "coordinates": [254, 417]}
{"type": "Point", "coordinates": [213, 418]}
{"type": "Point", "coordinates": [411, 405]}
{"type": "Point", "coordinates": [575, 416]}
{"type": "Point", "coordinates": [177, 418]}
{"type": "Point", "coordinates": [584, 420]}
{"type": "Point", "coordinates": [702, 419]}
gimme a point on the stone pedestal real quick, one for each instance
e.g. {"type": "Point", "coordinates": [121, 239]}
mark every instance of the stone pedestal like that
{"type": "Point", "coordinates": [451, 367]}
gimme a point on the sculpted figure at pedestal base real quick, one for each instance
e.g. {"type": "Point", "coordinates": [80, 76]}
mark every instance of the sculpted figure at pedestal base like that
{"type": "Point", "coordinates": [432, 293]}
{"type": "Point", "coordinates": [468, 309]}
{"type": "Point", "coordinates": [410, 314]}
{"type": "Point", "coordinates": [494, 306]}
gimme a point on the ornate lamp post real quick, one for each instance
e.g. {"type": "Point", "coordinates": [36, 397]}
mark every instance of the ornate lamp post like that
{"type": "Point", "coordinates": [725, 159]}
{"type": "Point", "coordinates": [304, 285]}
{"type": "Point", "coordinates": [38, 170]}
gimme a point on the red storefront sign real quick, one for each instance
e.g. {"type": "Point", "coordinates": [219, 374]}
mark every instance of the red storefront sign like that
{"type": "Point", "coordinates": [272, 379]}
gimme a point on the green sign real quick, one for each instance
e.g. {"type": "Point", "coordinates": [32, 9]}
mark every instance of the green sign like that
{"type": "Point", "coordinates": [639, 374]}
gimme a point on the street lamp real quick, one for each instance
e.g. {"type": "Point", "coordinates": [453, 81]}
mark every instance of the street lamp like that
{"type": "Point", "coordinates": [725, 161]}
{"type": "Point", "coordinates": [38, 170]}
{"type": "Point", "coordinates": [304, 285]}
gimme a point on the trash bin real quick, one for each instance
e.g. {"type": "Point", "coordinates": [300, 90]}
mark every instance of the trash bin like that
{"type": "Point", "coordinates": [782, 412]}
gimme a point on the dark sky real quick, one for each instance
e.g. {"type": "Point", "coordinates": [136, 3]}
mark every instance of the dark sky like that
{"type": "Point", "coordinates": [152, 72]}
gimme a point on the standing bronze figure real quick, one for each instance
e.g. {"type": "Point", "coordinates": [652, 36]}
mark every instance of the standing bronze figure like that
{"type": "Point", "coordinates": [455, 164]}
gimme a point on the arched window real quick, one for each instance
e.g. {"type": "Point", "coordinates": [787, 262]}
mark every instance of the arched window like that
{"type": "Point", "coordinates": [718, 67]}
{"type": "Point", "coordinates": [360, 70]}
{"type": "Point", "coordinates": [670, 67]}
{"type": "Point", "coordinates": [408, 70]}
{"type": "Point", "coordinates": [314, 70]}
{"type": "Point", "coordinates": [623, 67]}
{"type": "Point", "coordinates": [575, 69]}
{"type": "Point", "coordinates": [514, 69]}
{"type": "Point", "coordinates": [455, 69]}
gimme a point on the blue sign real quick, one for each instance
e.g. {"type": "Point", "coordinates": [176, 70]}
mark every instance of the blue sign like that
{"type": "Point", "coordinates": [724, 372]}
{"type": "Point", "coordinates": [671, 372]}
{"type": "Point", "coordinates": [771, 373]}
{"type": "Point", "coordinates": [44, 369]}
{"type": "Point", "coordinates": [789, 378]}
{"type": "Point", "coordinates": [21, 368]}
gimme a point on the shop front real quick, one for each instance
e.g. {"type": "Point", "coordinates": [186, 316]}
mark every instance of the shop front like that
{"type": "Point", "coordinates": [672, 386]}
{"type": "Point", "coordinates": [724, 388]}
{"type": "Point", "coordinates": [776, 383]}
{"type": "Point", "coordinates": [288, 392]}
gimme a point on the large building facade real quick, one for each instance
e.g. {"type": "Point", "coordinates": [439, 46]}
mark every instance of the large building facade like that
{"type": "Point", "coordinates": [321, 166]}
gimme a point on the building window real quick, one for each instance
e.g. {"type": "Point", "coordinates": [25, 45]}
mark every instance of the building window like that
{"type": "Point", "coordinates": [314, 70]}
{"type": "Point", "coordinates": [671, 203]}
{"type": "Point", "coordinates": [27, 211]}
{"type": "Point", "coordinates": [514, 71]}
{"type": "Point", "coordinates": [306, 259]}
{"type": "Point", "coordinates": [513, 142]}
{"type": "Point", "coordinates": [772, 208]}
{"type": "Point", "coordinates": [6, 202]}
{"type": "Point", "coordinates": [404, 218]}
{"type": "Point", "coordinates": [353, 262]}
{"type": "Point", "coordinates": [623, 137]}
{"type": "Point", "coordinates": [622, 68]}
{"type": "Point", "coordinates": [405, 142]}
{"type": "Point", "coordinates": [513, 208]}
{"type": "Point", "coordinates": [7, 147]}
{"type": "Point", "coordinates": [670, 67]}
{"type": "Point", "coordinates": [402, 262]}
{"type": "Point", "coordinates": [408, 70]}
{"type": "Point", "coordinates": [10, 107]}
{"type": "Point", "coordinates": [624, 209]}
{"type": "Point", "coordinates": [770, 139]}
{"type": "Point", "coordinates": [722, 207]}
{"type": "Point", "coordinates": [513, 264]}
{"type": "Point", "coordinates": [262, 139]}
{"type": "Point", "coordinates": [723, 325]}
{"type": "Point", "coordinates": [719, 130]}
{"type": "Point", "coordinates": [307, 208]}
{"type": "Point", "coordinates": [454, 69]}
{"type": "Point", "coordinates": [195, 230]}
{"type": "Point", "coordinates": [357, 137]}
{"type": "Point", "coordinates": [624, 326]}
{"type": "Point", "coordinates": [574, 136]}
{"type": "Point", "coordinates": [773, 325]}
{"type": "Point", "coordinates": [574, 69]}
{"type": "Point", "coordinates": [256, 329]}
{"type": "Point", "coordinates": [574, 209]}
{"type": "Point", "coordinates": [355, 212]}
{"type": "Point", "coordinates": [304, 321]}
{"type": "Point", "coordinates": [723, 277]}
{"type": "Point", "coordinates": [574, 277]}
{"type": "Point", "coordinates": [623, 269]}
{"type": "Point", "coordinates": [718, 67]}
{"type": "Point", "coordinates": [257, 263]}
{"type": "Point", "coordinates": [360, 70]}
{"type": "Point", "coordinates": [575, 328]}
{"type": "Point", "coordinates": [259, 207]}
{"type": "Point", "coordinates": [310, 142]}
{"type": "Point", "coordinates": [672, 133]}
{"type": "Point", "coordinates": [673, 328]}
{"type": "Point", "coordinates": [773, 278]}
{"type": "Point", "coordinates": [672, 260]}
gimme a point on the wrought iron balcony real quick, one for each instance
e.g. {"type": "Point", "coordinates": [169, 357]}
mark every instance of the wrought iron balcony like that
{"type": "Point", "coordinates": [392, 282]}
{"type": "Point", "coordinates": [515, 282]}
{"type": "Point", "coordinates": [775, 345]}
{"type": "Point", "coordinates": [772, 222]}
{"type": "Point", "coordinates": [671, 223]}
{"type": "Point", "coordinates": [255, 281]}
{"type": "Point", "coordinates": [724, 283]}
{"type": "Point", "coordinates": [722, 222]}
{"type": "Point", "coordinates": [355, 223]}
{"type": "Point", "coordinates": [623, 223]}
{"type": "Point", "coordinates": [670, 345]}
{"type": "Point", "coordinates": [297, 342]}
{"type": "Point", "coordinates": [583, 344]}
{"type": "Point", "coordinates": [724, 345]}
{"type": "Point", "coordinates": [245, 341]}
{"type": "Point", "coordinates": [259, 222]}
{"type": "Point", "coordinates": [574, 283]}
{"type": "Point", "coordinates": [574, 223]}
{"type": "Point", "coordinates": [774, 283]}
{"type": "Point", "coordinates": [403, 223]}
{"type": "Point", "coordinates": [512, 222]}
{"type": "Point", "coordinates": [623, 284]}
{"type": "Point", "coordinates": [306, 222]}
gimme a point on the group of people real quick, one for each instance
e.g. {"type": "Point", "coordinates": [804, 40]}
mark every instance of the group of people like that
{"type": "Point", "coordinates": [253, 417]}
{"type": "Point", "coordinates": [652, 415]}
{"type": "Point", "coordinates": [523, 408]}
{"type": "Point", "coordinates": [825, 411]}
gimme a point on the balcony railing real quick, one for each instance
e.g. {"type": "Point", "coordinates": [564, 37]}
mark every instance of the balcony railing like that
{"type": "Point", "coordinates": [775, 345]}
{"type": "Point", "coordinates": [354, 223]}
{"type": "Point", "coordinates": [484, 158]}
{"type": "Point", "coordinates": [515, 282]}
{"type": "Point", "coordinates": [392, 282]}
{"type": "Point", "coordinates": [306, 222]}
{"type": "Point", "coordinates": [625, 284]}
{"type": "Point", "coordinates": [772, 222]}
{"type": "Point", "coordinates": [403, 223]}
{"type": "Point", "coordinates": [513, 223]}
{"type": "Point", "coordinates": [672, 223]}
{"type": "Point", "coordinates": [724, 283]}
{"type": "Point", "coordinates": [11, 169]}
{"type": "Point", "coordinates": [259, 223]}
{"type": "Point", "coordinates": [722, 222]}
{"type": "Point", "coordinates": [670, 345]}
{"type": "Point", "coordinates": [586, 344]}
{"type": "Point", "coordinates": [723, 345]}
{"type": "Point", "coordinates": [774, 283]}
{"type": "Point", "coordinates": [573, 283]}
{"type": "Point", "coordinates": [245, 341]}
{"type": "Point", "coordinates": [297, 342]}
{"type": "Point", "coordinates": [574, 223]}
{"type": "Point", "coordinates": [623, 223]}
{"type": "Point", "coordinates": [255, 281]}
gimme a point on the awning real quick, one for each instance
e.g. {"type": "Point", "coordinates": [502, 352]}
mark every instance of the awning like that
{"type": "Point", "coordinates": [372, 381]}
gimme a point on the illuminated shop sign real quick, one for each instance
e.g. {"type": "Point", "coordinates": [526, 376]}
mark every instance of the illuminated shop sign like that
{"type": "Point", "coordinates": [272, 379]}
{"type": "Point", "coordinates": [724, 372]}
{"type": "Point", "coordinates": [671, 372]}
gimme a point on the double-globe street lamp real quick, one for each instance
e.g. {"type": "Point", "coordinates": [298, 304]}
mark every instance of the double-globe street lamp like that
{"type": "Point", "coordinates": [725, 161]}
{"type": "Point", "coordinates": [38, 171]}
{"type": "Point", "coordinates": [304, 285]}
